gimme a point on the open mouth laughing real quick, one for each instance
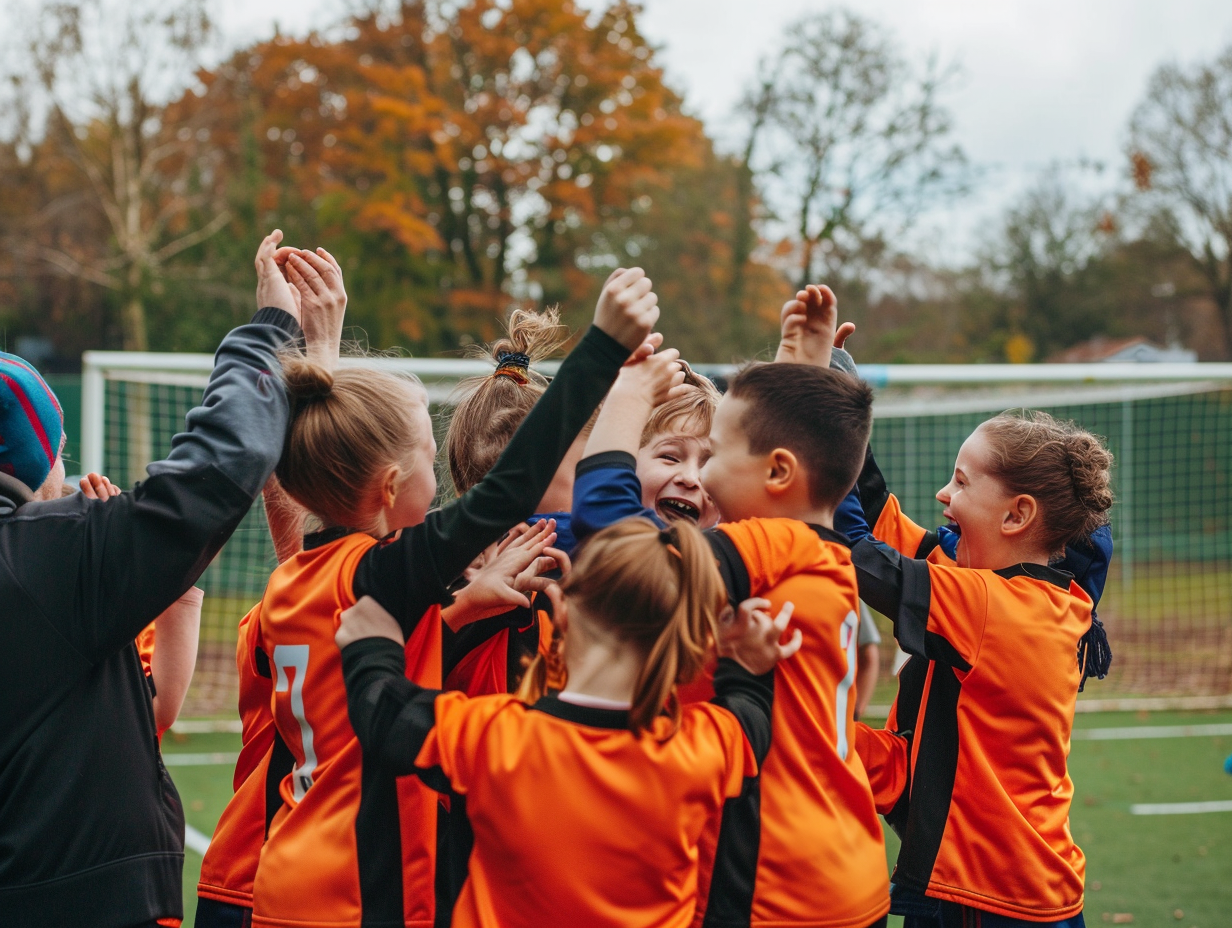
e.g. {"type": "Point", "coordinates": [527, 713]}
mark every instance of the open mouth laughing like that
{"type": "Point", "coordinates": [671, 507]}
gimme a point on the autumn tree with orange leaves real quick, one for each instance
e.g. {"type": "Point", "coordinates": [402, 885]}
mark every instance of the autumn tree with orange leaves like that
{"type": "Point", "coordinates": [506, 153]}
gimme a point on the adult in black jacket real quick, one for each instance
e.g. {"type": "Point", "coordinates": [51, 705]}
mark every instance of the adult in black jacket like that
{"type": "Point", "coordinates": [91, 826]}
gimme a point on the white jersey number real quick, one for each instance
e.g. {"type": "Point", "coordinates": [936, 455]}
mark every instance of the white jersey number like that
{"type": "Point", "coordinates": [847, 635]}
{"type": "Point", "coordinates": [295, 657]}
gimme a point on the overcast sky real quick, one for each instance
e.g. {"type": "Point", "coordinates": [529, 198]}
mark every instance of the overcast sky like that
{"type": "Point", "coordinates": [1043, 80]}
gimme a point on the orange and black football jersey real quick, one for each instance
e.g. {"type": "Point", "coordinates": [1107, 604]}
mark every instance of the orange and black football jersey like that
{"type": "Point", "coordinates": [230, 863]}
{"type": "Point", "coordinates": [350, 843]}
{"type": "Point", "coordinates": [986, 705]}
{"type": "Point", "coordinates": [577, 821]}
{"type": "Point", "coordinates": [806, 847]}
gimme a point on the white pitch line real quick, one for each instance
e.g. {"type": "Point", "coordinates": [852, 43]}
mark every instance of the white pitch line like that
{"type": "Point", "coordinates": [1180, 808]}
{"type": "Point", "coordinates": [1152, 731]}
{"type": "Point", "coordinates": [195, 840]}
{"type": "Point", "coordinates": [199, 760]}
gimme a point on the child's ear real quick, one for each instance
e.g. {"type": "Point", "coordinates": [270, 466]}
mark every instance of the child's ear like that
{"type": "Point", "coordinates": [784, 471]}
{"type": "Point", "coordinates": [389, 485]}
{"type": "Point", "coordinates": [1020, 516]}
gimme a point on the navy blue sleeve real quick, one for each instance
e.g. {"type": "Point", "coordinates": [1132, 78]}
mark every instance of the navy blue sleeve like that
{"type": "Point", "coordinates": [606, 491]}
{"type": "Point", "coordinates": [849, 518]}
{"type": "Point", "coordinates": [1088, 561]}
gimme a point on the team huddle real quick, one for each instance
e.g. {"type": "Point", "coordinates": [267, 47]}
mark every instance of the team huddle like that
{"type": "Point", "coordinates": [612, 683]}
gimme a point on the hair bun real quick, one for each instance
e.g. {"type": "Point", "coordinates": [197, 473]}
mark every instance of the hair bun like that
{"type": "Point", "coordinates": [305, 380]}
{"type": "Point", "coordinates": [1090, 465]}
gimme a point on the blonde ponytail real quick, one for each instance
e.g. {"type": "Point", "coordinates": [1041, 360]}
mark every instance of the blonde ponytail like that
{"type": "Point", "coordinates": [660, 591]}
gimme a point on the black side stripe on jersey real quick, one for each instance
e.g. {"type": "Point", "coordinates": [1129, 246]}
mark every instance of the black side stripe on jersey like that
{"type": "Point", "coordinates": [901, 588]}
{"type": "Point", "coordinates": [907, 710]}
{"type": "Point", "coordinates": [735, 863]}
{"type": "Point", "coordinates": [751, 700]}
{"type": "Point", "coordinates": [731, 566]}
{"type": "Point", "coordinates": [281, 763]}
{"type": "Point", "coordinates": [378, 845]}
{"type": "Point", "coordinates": [933, 781]}
{"type": "Point", "coordinates": [454, 842]}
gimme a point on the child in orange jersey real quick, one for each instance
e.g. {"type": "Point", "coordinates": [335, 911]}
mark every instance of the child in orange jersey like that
{"type": "Point", "coordinates": [1004, 640]}
{"type": "Point", "coordinates": [588, 805]}
{"type": "Point", "coordinates": [804, 848]}
{"type": "Point", "coordinates": [351, 843]}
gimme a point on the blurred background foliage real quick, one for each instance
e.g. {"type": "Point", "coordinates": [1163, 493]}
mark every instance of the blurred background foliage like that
{"type": "Point", "coordinates": [464, 157]}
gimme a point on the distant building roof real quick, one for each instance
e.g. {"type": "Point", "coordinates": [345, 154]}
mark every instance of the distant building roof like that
{"type": "Point", "coordinates": [1137, 348]}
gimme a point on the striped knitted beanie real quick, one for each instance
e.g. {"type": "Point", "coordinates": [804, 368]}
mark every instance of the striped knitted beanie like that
{"type": "Point", "coordinates": [31, 423]}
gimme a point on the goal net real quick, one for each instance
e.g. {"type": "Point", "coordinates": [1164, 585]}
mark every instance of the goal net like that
{"type": "Point", "coordinates": [1168, 603]}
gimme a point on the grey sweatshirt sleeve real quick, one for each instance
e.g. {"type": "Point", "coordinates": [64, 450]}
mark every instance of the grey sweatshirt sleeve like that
{"type": "Point", "coordinates": [119, 563]}
{"type": "Point", "coordinates": [241, 424]}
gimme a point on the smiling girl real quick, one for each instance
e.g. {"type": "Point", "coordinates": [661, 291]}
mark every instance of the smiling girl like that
{"type": "Point", "coordinates": [1000, 645]}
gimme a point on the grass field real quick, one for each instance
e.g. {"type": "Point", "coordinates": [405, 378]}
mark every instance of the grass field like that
{"type": "Point", "coordinates": [1151, 867]}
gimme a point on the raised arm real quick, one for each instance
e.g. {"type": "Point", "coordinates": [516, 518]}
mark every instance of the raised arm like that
{"type": "Point", "coordinates": [176, 632]}
{"type": "Point", "coordinates": [414, 572]}
{"type": "Point", "coordinates": [606, 489]}
{"type": "Point", "coordinates": [127, 559]}
{"type": "Point", "coordinates": [391, 715]}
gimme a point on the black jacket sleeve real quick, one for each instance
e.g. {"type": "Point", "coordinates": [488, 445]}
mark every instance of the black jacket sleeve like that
{"type": "Point", "coordinates": [413, 573]}
{"type": "Point", "coordinates": [99, 571]}
{"type": "Point", "coordinates": [750, 699]}
{"type": "Point", "coordinates": [391, 715]}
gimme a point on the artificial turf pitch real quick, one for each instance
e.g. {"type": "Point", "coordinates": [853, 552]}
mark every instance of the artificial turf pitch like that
{"type": "Point", "coordinates": [1163, 870]}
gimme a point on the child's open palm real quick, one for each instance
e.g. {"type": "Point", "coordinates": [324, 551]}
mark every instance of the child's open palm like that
{"type": "Point", "coordinates": [504, 574]}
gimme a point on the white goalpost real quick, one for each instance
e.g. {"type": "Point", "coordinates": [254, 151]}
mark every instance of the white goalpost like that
{"type": "Point", "coordinates": [1168, 603]}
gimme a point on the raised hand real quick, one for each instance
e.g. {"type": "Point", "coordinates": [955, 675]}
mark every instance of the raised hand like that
{"type": "Point", "coordinates": [809, 325]}
{"type": "Point", "coordinates": [628, 307]}
{"type": "Point", "coordinates": [272, 286]}
{"type": "Point", "coordinates": [96, 486]}
{"type": "Point", "coordinates": [508, 571]}
{"type": "Point", "coordinates": [752, 638]}
{"type": "Point", "coordinates": [317, 278]}
{"type": "Point", "coordinates": [653, 378]}
{"type": "Point", "coordinates": [367, 619]}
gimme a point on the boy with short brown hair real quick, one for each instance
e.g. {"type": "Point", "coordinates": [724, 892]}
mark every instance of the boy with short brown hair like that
{"type": "Point", "coordinates": [802, 846]}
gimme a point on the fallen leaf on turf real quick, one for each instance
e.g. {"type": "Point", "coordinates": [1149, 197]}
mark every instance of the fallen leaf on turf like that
{"type": "Point", "coordinates": [1178, 914]}
{"type": "Point", "coordinates": [1123, 918]}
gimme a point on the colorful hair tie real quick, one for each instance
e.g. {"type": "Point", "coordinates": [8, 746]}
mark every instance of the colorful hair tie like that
{"type": "Point", "coordinates": [513, 359]}
{"type": "Point", "coordinates": [514, 365]}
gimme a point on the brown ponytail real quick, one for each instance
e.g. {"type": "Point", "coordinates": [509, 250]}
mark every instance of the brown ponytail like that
{"type": "Point", "coordinates": [346, 427]}
{"type": "Point", "coordinates": [658, 590]}
{"type": "Point", "coordinates": [1067, 469]}
{"type": "Point", "coordinates": [494, 406]}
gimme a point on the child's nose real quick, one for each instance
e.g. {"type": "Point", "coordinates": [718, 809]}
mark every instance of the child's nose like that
{"type": "Point", "coordinates": [943, 495]}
